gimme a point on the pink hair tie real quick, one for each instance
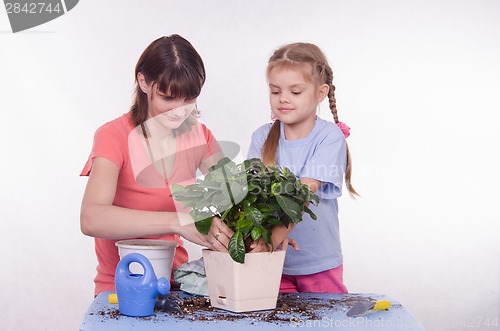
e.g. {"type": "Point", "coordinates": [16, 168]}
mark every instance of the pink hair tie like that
{"type": "Point", "coordinates": [344, 128]}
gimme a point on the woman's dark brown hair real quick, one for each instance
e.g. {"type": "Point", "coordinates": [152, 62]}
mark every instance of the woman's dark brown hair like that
{"type": "Point", "coordinates": [310, 60]}
{"type": "Point", "coordinates": [173, 66]}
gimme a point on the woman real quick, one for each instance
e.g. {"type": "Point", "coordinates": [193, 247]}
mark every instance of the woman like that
{"type": "Point", "coordinates": [138, 156]}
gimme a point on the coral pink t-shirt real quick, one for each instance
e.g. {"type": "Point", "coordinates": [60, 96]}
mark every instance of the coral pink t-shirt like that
{"type": "Point", "coordinates": [140, 185]}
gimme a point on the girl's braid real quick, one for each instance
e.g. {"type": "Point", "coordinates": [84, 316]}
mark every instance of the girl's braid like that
{"type": "Point", "coordinates": [333, 107]}
{"type": "Point", "coordinates": [331, 92]}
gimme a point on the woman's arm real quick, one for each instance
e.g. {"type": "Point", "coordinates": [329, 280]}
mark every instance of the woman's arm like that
{"type": "Point", "coordinates": [100, 218]}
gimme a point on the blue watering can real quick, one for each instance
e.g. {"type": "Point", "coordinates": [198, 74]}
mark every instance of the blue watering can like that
{"type": "Point", "coordinates": [137, 293]}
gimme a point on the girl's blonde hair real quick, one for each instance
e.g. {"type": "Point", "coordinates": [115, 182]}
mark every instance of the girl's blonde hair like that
{"type": "Point", "coordinates": [309, 59]}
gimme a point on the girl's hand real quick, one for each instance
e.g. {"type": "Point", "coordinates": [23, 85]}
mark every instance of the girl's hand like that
{"type": "Point", "coordinates": [279, 242]}
{"type": "Point", "coordinates": [291, 242]}
{"type": "Point", "coordinates": [260, 246]}
{"type": "Point", "coordinates": [280, 237]}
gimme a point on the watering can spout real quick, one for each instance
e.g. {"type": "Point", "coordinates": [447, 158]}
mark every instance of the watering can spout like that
{"type": "Point", "coordinates": [163, 286]}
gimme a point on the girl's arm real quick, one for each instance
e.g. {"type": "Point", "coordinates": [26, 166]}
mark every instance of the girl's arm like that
{"type": "Point", "coordinates": [280, 233]}
{"type": "Point", "coordinates": [100, 218]}
{"type": "Point", "coordinates": [313, 184]}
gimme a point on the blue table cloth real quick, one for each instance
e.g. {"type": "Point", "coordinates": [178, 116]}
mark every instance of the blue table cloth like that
{"type": "Point", "coordinates": [297, 310]}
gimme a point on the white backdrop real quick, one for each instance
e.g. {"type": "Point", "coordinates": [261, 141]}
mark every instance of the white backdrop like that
{"type": "Point", "coordinates": [417, 81]}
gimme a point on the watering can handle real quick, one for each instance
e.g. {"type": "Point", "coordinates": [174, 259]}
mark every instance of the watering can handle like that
{"type": "Point", "coordinates": [142, 260]}
{"type": "Point", "coordinates": [123, 270]}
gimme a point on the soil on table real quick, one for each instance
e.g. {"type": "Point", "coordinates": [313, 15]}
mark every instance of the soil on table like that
{"type": "Point", "coordinates": [289, 307]}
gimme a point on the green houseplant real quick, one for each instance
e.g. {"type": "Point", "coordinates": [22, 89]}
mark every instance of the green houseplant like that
{"type": "Point", "coordinates": [250, 198]}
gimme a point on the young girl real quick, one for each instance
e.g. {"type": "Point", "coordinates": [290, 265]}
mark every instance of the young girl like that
{"type": "Point", "coordinates": [138, 156]}
{"type": "Point", "coordinates": [315, 150]}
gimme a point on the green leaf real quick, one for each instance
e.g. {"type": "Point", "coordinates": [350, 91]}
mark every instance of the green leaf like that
{"type": "Point", "coordinates": [264, 194]}
{"type": "Point", "coordinates": [224, 214]}
{"type": "Point", "coordinates": [221, 201]}
{"type": "Point", "coordinates": [178, 189]}
{"type": "Point", "coordinates": [290, 207]}
{"type": "Point", "coordinates": [212, 185]}
{"type": "Point", "coordinates": [209, 196]}
{"type": "Point", "coordinates": [289, 174]}
{"type": "Point", "coordinates": [193, 193]}
{"type": "Point", "coordinates": [266, 235]}
{"type": "Point", "coordinates": [237, 247]}
{"type": "Point", "coordinates": [274, 206]}
{"type": "Point", "coordinates": [234, 192]}
{"type": "Point", "coordinates": [285, 187]}
{"type": "Point", "coordinates": [264, 208]}
{"type": "Point", "coordinates": [220, 164]}
{"type": "Point", "coordinates": [249, 197]}
{"type": "Point", "coordinates": [188, 202]}
{"type": "Point", "coordinates": [310, 212]}
{"type": "Point", "coordinates": [272, 220]}
{"type": "Point", "coordinates": [202, 204]}
{"type": "Point", "coordinates": [256, 232]}
{"type": "Point", "coordinates": [203, 226]}
{"type": "Point", "coordinates": [315, 199]}
{"type": "Point", "coordinates": [253, 165]}
{"type": "Point", "coordinates": [244, 226]}
{"type": "Point", "coordinates": [285, 220]}
{"type": "Point", "coordinates": [253, 186]}
{"type": "Point", "coordinates": [249, 200]}
{"type": "Point", "coordinates": [216, 176]}
{"type": "Point", "coordinates": [238, 191]}
{"type": "Point", "coordinates": [253, 215]}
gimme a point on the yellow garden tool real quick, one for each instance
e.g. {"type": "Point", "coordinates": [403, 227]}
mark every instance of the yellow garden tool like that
{"type": "Point", "coordinates": [362, 307]}
{"type": "Point", "coordinates": [112, 298]}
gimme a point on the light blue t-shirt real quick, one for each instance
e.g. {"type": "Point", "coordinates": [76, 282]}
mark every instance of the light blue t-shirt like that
{"type": "Point", "coordinates": [322, 156]}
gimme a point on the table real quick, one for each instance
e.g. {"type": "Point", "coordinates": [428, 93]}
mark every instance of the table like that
{"type": "Point", "coordinates": [296, 310]}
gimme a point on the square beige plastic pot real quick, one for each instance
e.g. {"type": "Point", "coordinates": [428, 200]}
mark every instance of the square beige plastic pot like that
{"type": "Point", "coordinates": [159, 252]}
{"type": "Point", "coordinates": [242, 287]}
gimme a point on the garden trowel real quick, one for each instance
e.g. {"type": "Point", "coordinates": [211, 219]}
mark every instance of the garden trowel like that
{"type": "Point", "coordinates": [362, 307]}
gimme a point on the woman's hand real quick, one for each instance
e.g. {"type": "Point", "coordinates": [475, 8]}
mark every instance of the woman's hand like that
{"type": "Point", "coordinates": [219, 235]}
{"type": "Point", "coordinates": [217, 238]}
{"type": "Point", "coordinates": [191, 233]}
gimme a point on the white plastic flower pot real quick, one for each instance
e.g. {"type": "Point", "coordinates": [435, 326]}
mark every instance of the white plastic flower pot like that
{"type": "Point", "coordinates": [242, 287]}
{"type": "Point", "coordinates": [159, 252]}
